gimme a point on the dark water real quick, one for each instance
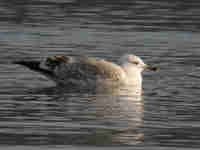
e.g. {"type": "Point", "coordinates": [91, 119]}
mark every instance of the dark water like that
{"type": "Point", "coordinates": [35, 113]}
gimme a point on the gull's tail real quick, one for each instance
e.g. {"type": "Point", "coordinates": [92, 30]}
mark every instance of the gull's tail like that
{"type": "Point", "coordinates": [35, 66]}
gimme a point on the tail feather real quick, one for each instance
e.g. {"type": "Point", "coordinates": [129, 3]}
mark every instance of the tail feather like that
{"type": "Point", "coordinates": [34, 65]}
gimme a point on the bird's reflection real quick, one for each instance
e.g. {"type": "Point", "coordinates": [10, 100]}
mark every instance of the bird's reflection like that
{"type": "Point", "coordinates": [116, 113]}
{"type": "Point", "coordinates": [121, 108]}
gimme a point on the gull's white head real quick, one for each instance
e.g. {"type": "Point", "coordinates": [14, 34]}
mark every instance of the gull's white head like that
{"type": "Point", "coordinates": [134, 66]}
{"type": "Point", "coordinates": [134, 63]}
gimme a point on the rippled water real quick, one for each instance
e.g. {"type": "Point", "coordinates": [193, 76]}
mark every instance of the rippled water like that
{"type": "Point", "coordinates": [35, 112]}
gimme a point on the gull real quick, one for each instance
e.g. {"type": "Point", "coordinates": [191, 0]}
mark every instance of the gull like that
{"type": "Point", "coordinates": [88, 71]}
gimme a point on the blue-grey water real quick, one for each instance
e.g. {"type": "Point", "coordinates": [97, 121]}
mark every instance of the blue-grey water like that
{"type": "Point", "coordinates": [35, 113]}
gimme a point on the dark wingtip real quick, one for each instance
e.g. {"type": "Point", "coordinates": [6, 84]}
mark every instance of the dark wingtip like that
{"type": "Point", "coordinates": [34, 65]}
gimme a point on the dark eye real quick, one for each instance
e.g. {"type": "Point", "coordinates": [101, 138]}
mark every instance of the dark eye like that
{"type": "Point", "coordinates": [135, 62]}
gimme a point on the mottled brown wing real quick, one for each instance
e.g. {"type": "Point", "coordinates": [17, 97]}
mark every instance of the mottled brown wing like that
{"type": "Point", "coordinates": [102, 68]}
{"type": "Point", "coordinates": [85, 67]}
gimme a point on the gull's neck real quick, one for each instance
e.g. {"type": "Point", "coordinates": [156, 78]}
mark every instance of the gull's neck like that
{"type": "Point", "coordinates": [133, 74]}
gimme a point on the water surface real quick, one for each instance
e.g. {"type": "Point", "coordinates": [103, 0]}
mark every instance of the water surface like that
{"type": "Point", "coordinates": [36, 113]}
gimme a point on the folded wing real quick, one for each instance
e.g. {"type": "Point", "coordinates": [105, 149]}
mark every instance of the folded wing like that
{"type": "Point", "coordinates": [84, 68]}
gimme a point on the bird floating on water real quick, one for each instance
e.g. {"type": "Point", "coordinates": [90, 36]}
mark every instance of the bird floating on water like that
{"type": "Point", "coordinates": [80, 70]}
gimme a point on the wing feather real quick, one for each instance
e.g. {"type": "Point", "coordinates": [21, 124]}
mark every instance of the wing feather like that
{"type": "Point", "coordinates": [88, 68]}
